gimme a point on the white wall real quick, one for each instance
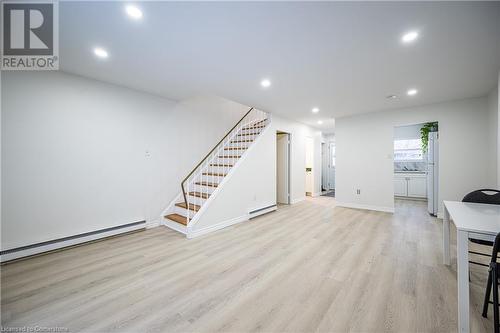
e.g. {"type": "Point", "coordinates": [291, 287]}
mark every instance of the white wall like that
{"type": "Point", "coordinates": [407, 132]}
{"type": "Point", "coordinates": [74, 153]}
{"type": "Point", "coordinates": [493, 131]}
{"type": "Point", "coordinates": [253, 184]}
{"type": "Point", "coordinates": [498, 131]}
{"type": "Point", "coordinates": [365, 148]}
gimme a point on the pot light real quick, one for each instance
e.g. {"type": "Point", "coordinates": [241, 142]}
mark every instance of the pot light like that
{"type": "Point", "coordinates": [133, 12]}
{"type": "Point", "coordinates": [101, 53]}
{"type": "Point", "coordinates": [315, 110]}
{"type": "Point", "coordinates": [320, 122]}
{"type": "Point", "coordinates": [409, 37]}
{"type": "Point", "coordinates": [265, 83]}
{"type": "Point", "coordinates": [391, 97]}
{"type": "Point", "coordinates": [412, 92]}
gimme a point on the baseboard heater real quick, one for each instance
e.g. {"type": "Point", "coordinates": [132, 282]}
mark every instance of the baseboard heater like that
{"type": "Point", "coordinates": [261, 211]}
{"type": "Point", "coordinates": [29, 250]}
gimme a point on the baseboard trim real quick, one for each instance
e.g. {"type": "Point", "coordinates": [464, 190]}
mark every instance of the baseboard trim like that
{"type": "Point", "coordinates": [60, 243]}
{"type": "Point", "coordinates": [294, 201]}
{"type": "Point", "coordinates": [218, 226]}
{"type": "Point", "coordinates": [365, 207]}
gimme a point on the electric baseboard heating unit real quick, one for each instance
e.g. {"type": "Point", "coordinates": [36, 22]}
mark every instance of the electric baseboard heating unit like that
{"type": "Point", "coordinates": [28, 250]}
{"type": "Point", "coordinates": [261, 211]}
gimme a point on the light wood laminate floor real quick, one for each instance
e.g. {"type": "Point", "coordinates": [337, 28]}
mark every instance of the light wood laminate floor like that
{"type": "Point", "coordinates": [307, 267]}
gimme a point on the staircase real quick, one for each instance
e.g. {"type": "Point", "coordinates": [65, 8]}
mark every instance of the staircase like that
{"type": "Point", "coordinates": [201, 185]}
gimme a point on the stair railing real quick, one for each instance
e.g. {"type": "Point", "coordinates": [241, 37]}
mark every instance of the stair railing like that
{"type": "Point", "coordinates": [221, 157]}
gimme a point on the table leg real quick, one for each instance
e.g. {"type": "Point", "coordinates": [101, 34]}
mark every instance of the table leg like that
{"type": "Point", "coordinates": [446, 237]}
{"type": "Point", "coordinates": [463, 280]}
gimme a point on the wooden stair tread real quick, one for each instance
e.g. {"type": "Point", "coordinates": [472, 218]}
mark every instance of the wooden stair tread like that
{"type": "Point", "coordinates": [235, 148]}
{"type": "Point", "coordinates": [241, 141]}
{"type": "Point", "coordinates": [199, 195]}
{"type": "Point", "coordinates": [177, 218]}
{"type": "Point", "coordinates": [229, 156]}
{"type": "Point", "coordinates": [214, 174]}
{"type": "Point", "coordinates": [221, 165]}
{"type": "Point", "coordinates": [253, 127]}
{"type": "Point", "coordinates": [192, 207]}
{"type": "Point", "coordinates": [209, 184]}
{"type": "Point", "coordinates": [247, 134]}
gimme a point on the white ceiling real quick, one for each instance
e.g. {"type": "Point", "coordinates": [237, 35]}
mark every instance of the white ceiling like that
{"type": "Point", "coordinates": [343, 57]}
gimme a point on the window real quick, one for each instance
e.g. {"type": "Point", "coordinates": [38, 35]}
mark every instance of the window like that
{"type": "Point", "coordinates": [408, 150]}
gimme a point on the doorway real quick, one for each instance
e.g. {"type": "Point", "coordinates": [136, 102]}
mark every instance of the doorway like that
{"type": "Point", "coordinates": [328, 168]}
{"type": "Point", "coordinates": [416, 165]}
{"type": "Point", "coordinates": [309, 186]}
{"type": "Point", "coordinates": [282, 168]}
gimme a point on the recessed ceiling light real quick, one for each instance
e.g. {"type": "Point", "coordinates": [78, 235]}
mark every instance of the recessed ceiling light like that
{"type": "Point", "coordinates": [133, 12]}
{"type": "Point", "coordinates": [412, 92]}
{"type": "Point", "coordinates": [101, 53]}
{"type": "Point", "coordinates": [315, 110]}
{"type": "Point", "coordinates": [409, 37]}
{"type": "Point", "coordinates": [391, 97]}
{"type": "Point", "coordinates": [320, 122]}
{"type": "Point", "coordinates": [265, 83]}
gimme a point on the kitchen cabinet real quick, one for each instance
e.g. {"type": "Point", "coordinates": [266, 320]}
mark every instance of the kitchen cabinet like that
{"type": "Point", "coordinates": [400, 186]}
{"type": "Point", "coordinates": [412, 185]}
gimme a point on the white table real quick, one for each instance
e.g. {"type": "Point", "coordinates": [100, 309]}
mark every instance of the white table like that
{"type": "Point", "coordinates": [472, 220]}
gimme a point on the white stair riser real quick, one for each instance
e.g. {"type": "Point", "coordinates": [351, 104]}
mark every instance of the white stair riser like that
{"type": "Point", "coordinates": [210, 179]}
{"type": "Point", "coordinates": [230, 161]}
{"type": "Point", "coordinates": [202, 189]}
{"type": "Point", "coordinates": [180, 211]}
{"type": "Point", "coordinates": [245, 137]}
{"type": "Point", "coordinates": [217, 169]}
{"type": "Point", "coordinates": [196, 200]}
{"type": "Point", "coordinates": [239, 144]}
{"type": "Point", "coordinates": [234, 150]}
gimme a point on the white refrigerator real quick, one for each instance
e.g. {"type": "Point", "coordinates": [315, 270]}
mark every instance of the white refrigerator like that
{"type": "Point", "coordinates": [432, 173]}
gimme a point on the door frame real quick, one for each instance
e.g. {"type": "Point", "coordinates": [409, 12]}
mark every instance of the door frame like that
{"type": "Point", "coordinates": [288, 168]}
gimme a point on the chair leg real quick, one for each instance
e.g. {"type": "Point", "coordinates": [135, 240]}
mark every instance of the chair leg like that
{"type": "Point", "coordinates": [487, 294]}
{"type": "Point", "coordinates": [494, 284]}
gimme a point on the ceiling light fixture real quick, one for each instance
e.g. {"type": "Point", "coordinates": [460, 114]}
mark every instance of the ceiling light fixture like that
{"type": "Point", "coordinates": [265, 83]}
{"type": "Point", "coordinates": [320, 122]}
{"type": "Point", "coordinates": [391, 97]}
{"type": "Point", "coordinates": [101, 53]}
{"type": "Point", "coordinates": [315, 110]}
{"type": "Point", "coordinates": [409, 37]}
{"type": "Point", "coordinates": [412, 92]}
{"type": "Point", "coordinates": [133, 12]}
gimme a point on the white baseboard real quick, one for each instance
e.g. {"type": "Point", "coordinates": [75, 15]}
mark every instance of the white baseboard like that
{"type": "Point", "coordinates": [153, 224]}
{"type": "Point", "coordinates": [317, 194]}
{"type": "Point", "coordinates": [365, 207]}
{"type": "Point", "coordinates": [69, 241]}
{"type": "Point", "coordinates": [221, 225]}
{"type": "Point", "coordinates": [297, 200]}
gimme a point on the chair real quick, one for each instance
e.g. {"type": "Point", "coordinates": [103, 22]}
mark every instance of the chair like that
{"type": "Point", "coordinates": [486, 196]}
{"type": "Point", "coordinates": [493, 275]}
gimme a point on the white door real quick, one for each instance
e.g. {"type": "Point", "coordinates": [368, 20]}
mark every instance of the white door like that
{"type": "Point", "coordinates": [417, 187]}
{"type": "Point", "coordinates": [325, 158]}
{"type": "Point", "coordinates": [400, 186]}
{"type": "Point", "coordinates": [331, 173]}
{"type": "Point", "coordinates": [282, 172]}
